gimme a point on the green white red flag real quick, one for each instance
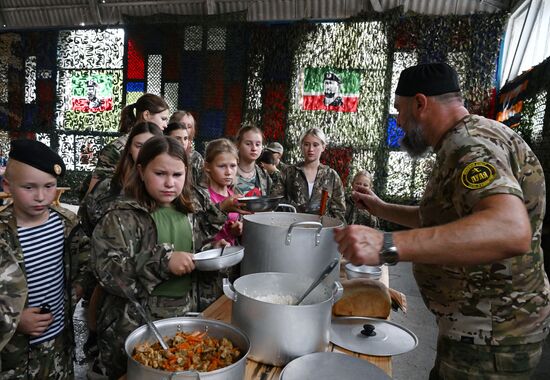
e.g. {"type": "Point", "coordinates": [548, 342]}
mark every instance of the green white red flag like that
{"type": "Point", "coordinates": [314, 91]}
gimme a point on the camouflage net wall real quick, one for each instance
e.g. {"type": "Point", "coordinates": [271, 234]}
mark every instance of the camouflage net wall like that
{"type": "Point", "coordinates": [67, 87]}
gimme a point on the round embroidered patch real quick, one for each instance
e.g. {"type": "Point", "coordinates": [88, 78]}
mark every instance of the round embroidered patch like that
{"type": "Point", "coordinates": [57, 169]}
{"type": "Point", "coordinates": [478, 175]}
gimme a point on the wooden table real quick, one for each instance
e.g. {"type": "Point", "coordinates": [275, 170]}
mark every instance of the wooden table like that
{"type": "Point", "coordinates": [221, 310]}
{"type": "Point", "coordinates": [60, 190]}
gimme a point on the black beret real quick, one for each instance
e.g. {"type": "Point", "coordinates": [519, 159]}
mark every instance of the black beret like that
{"type": "Point", "coordinates": [430, 79]}
{"type": "Point", "coordinates": [37, 155]}
{"type": "Point", "coordinates": [332, 76]}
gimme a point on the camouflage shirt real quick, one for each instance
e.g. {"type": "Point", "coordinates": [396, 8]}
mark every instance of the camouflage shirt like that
{"type": "Point", "coordinates": [108, 158]}
{"type": "Point", "coordinates": [356, 215]}
{"type": "Point", "coordinates": [505, 302]}
{"type": "Point", "coordinates": [13, 292]}
{"type": "Point", "coordinates": [262, 181]}
{"type": "Point", "coordinates": [197, 166]}
{"type": "Point", "coordinates": [293, 186]}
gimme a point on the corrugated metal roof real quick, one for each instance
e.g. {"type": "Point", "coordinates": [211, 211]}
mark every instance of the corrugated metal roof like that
{"type": "Point", "coordinates": [28, 14]}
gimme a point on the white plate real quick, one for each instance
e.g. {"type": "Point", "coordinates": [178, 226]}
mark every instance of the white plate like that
{"type": "Point", "coordinates": [211, 260]}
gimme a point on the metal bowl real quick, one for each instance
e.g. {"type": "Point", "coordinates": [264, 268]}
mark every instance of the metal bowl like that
{"type": "Point", "coordinates": [168, 328]}
{"type": "Point", "coordinates": [364, 271]}
{"type": "Point", "coordinates": [211, 260]}
{"type": "Point", "coordinates": [259, 204]}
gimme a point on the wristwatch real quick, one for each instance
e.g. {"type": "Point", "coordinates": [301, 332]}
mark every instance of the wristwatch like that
{"type": "Point", "coordinates": [388, 253]}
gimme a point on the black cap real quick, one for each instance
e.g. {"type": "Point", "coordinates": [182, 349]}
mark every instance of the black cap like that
{"type": "Point", "coordinates": [331, 76]}
{"type": "Point", "coordinates": [37, 155]}
{"type": "Point", "coordinates": [430, 79]}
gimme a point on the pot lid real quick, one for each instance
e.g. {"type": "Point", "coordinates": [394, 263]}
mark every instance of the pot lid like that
{"type": "Point", "coordinates": [330, 366]}
{"type": "Point", "coordinates": [372, 336]}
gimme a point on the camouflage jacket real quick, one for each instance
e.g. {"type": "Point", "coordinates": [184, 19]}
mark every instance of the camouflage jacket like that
{"type": "Point", "coordinates": [355, 215]}
{"type": "Point", "coordinates": [501, 303]}
{"type": "Point", "coordinates": [96, 203]}
{"type": "Point", "coordinates": [264, 182]}
{"type": "Point", "coordinates": [293, 186]}
{"type": "Point", "coordinates": [108, 158]}
{"type": "Point", "coordinates": [125, 251]}
{"type": "Point", "coordinates": [13, 284]}
{"type": "Point", "coordinates": [197, 166]}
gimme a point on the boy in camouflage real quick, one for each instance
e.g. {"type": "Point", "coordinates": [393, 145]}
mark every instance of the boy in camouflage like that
{"type": "Point", "coordinates": [42, 253]}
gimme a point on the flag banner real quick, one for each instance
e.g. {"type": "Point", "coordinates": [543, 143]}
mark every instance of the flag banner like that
{"type": "Point", "coordinates": [91, 93]}
{"type": "Point", "coordinates": [331, 89]}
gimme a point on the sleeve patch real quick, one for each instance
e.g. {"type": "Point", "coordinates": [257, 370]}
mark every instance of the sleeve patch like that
{"type": "Point", "coordinates": [478, 174]}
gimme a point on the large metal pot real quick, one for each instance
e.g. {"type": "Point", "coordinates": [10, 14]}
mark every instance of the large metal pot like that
{"type": "Point", "coordinates": [289, 243]}
{"type": "Point", "coordinates": [280, 333]}
{"type": "Point", "coordinates": [169, 327]}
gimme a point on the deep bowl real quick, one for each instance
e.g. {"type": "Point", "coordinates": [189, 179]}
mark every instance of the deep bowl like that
{"type": "Point", "coordinates": [260, 204]}
{"type": "Point", "coordinates": [211, 260]}
{"type": "Point", "coordinates": [363, 271]}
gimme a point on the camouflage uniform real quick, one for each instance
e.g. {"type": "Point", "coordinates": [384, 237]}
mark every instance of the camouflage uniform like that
{"type": "Point", "coordinates": [293, 186]}
{"type": "Point", "coordinates": [505, 303]}
{"type": "Point", "coordinates": [108, 158]}
{"type": "Point", "coordinates": [12, 296]}
{"type": "Point", "coordinates": [124, 246]}
{"type": "Point", "coordinates": [51, 359]}
{"type": "Point", "coordinates": [197, 166]}
{"type": "Point", "coordinates": [264, 182]}
{"type": "Point", "coordinates": [96, 203]}
{"type": "Point", "coordinates": [356, 215]}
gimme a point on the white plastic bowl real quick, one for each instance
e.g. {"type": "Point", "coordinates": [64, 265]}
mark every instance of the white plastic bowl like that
{"type": "Point", "coordinates": [363, 271]}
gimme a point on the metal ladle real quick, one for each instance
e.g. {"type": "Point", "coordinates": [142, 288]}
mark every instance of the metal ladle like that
{"type": "Point", "coordinates": [128, 293]}
{"type": "Point", "coordinates": [321, 277]}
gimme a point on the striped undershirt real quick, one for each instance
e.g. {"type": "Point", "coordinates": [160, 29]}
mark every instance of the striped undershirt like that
{"type": "Point", "coordinates": [43, 253]}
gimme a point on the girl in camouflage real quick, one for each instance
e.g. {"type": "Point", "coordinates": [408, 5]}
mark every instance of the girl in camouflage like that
{"type": "Point", "coordinates": [180, 132]}
{"type": "Point", "coordinates": [355, 215]}
{"type": "Point", "coordinates": [251, 178]}
{"type": "Point", "coordinates": [220, 164]}
{"type": "Point", "coordinates": [145, 242]}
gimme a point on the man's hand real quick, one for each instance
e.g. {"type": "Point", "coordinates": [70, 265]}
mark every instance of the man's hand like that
{"type": "Point", "coordinates": [33, 323]}
{"type": "Point", "coordinates": [366, 199]}
{"type": "Point", "coordinates": [181, 263]}
{"type": "Point", "coordinates": [359, 244]}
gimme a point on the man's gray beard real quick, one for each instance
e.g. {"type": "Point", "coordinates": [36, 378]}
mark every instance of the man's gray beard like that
{"type": "Point", "coordinates": [414, 142]}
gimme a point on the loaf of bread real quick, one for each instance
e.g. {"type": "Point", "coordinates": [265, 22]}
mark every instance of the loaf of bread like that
{"type": "Point", "coordinates": [363, 297]}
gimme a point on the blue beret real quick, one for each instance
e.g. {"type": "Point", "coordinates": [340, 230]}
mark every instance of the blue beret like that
{"type": "Point", "coordinates": [430, 79]}
{"type": "Point", "coordinates": [37, 155]}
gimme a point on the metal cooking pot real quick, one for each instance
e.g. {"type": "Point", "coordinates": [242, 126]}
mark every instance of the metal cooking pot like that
{"type": "Point", "coordinates": [280, 333]}
{"type": "Point", "coordinates": [169, 327]}
{"type": "Point", "coordinates": [289, 243]}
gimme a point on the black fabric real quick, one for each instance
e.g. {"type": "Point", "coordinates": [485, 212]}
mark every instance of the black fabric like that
{"type": "Point", "coordinates": [37, 155]}
{"type": "Point", "coordinates": [430, 79]}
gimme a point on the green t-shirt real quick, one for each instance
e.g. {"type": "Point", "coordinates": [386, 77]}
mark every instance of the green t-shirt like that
{"type": "Point", "coordinates": [174, 227]}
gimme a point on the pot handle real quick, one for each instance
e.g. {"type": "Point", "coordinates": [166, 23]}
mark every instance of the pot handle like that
{"type": "Point", "coordinates": [228, 290]}
{"type": "Point", "coordinates": [337, 291]}
{"type": "Point", "coordinates": [298, 224]}
{"type": "Point", "coordinates": [195, 374]}
{"type": "Point", "coordinates": [285, 205]}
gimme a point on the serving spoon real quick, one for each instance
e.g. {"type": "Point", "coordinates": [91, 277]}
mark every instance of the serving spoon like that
{"type": "Point", "coordinates": [321, 277]}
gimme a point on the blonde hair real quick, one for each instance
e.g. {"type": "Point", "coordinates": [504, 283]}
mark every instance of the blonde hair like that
{"type": "Point", "coordinates": [219, 146]}
{"type": "Point", "coordinates": [363, 173]}
{"type": "Point", "coordinates": [315, 132]}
